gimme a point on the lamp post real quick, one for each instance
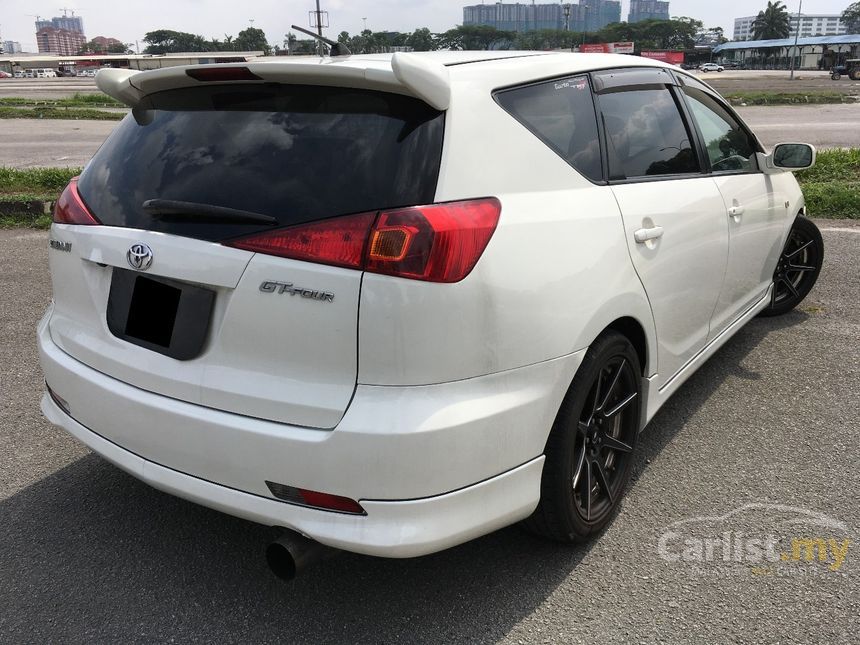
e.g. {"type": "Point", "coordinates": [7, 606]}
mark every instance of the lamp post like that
{"type": "Point", "coordinates": [796, 36]}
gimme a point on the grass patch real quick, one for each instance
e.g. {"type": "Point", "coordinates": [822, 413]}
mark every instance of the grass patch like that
{"type": "Point", "coordinates": [58, 113]}
{"type": "Point", "coordinates": [788, 98]}
{"type": "Point", "coordinates": [832, 186]}
{"type": "Point", "coordinates": [76, 100]}
{"type": "Point", "coordinates": [35, 181]}
{"type": "Point", "coordinates": [25, 220]}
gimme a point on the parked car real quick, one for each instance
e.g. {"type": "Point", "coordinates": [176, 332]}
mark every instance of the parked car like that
{"type": "Point", "coordinates": [394, 303]}
{"type": "Point", "coordinates": [5, 74]}
{"type": "Point", "coordinates": [711, 67]}
{"type": "Point", "coordinates": [45, 73]}
{"type": "Point", "coordinates": [18, 74]}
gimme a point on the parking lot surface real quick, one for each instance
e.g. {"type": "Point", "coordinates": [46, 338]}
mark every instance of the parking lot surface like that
{"type": "Point", "coordinates": [89, 554]}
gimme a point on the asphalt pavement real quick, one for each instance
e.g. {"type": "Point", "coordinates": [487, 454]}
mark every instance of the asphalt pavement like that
{"type": "Point", "coordinates": [89, 554]}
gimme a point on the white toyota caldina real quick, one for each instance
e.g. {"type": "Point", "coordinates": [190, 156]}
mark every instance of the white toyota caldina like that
{"type": "Point", "coordinates": [392, 303]}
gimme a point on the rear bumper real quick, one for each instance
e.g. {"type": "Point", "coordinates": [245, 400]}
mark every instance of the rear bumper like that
{"type": "Point", "coordinates": [411, 455]}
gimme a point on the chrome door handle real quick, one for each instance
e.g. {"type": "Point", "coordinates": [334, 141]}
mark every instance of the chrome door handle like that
{"type": "Point", "coordinates": [644, 234]}
{"type": "Point", "coordinates": [736, 211]}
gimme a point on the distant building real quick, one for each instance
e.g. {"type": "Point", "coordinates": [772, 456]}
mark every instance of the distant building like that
{"type": "Point", "coordinates": [60, 41]}
{"type": "Point", "coordinates": [69, 23]}
{"type": "Point", "coordinates": [588, 15]}
{"type": "Point", "coordinates": [648, 10]}
{"type": "Point", "coordinates": [810, 25]}
{"type": "Point", "coordinates": [12, 47]}
{"type": "Point", "coordinates": [60, 35]}
{"type": "Point", "coordinates": [101, 44]}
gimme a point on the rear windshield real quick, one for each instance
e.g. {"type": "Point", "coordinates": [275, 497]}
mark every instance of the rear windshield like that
{"type": "Point", "coordinates": [296, 153]}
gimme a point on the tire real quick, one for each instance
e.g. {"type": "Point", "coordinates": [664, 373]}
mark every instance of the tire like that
{"type": "Point", "coordinates": [835, 76]}
{"type": "Point", "coordinates": [591, 445]}
{"type": "Point", "coordinates": [854, 75]}
{"type": "Point", "coordinates": [798, 267]}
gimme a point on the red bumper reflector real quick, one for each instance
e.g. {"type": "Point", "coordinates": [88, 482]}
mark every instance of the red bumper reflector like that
{"type": "Point", "coordinates": [322, 501]}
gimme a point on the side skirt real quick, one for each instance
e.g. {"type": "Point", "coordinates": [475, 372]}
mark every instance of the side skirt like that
{"type": "Point", "coordinates": [656, 397]}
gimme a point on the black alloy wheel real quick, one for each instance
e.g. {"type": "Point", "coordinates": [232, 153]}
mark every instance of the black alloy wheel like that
{"type": "Point", "coordinates": [797, 268]}
{"type": "Point", "coordinates": [589, 453]}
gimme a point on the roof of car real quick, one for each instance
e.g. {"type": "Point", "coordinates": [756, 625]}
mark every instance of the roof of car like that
{"type": "Point", "coordinates": [426, 75]}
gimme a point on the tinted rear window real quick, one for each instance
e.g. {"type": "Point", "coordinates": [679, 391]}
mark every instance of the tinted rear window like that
{"type": "Point", "coordinates": [296, 153]}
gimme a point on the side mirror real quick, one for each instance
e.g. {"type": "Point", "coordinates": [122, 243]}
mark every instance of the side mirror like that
{"type": "Point", "coordinates": [789, 156]}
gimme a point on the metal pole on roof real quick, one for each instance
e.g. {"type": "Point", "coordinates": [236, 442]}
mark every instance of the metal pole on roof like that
{"type": "Point", "coordinates": [796, 36]}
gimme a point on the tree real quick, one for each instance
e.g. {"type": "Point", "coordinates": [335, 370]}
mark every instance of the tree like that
{"type": "Point", "coordinates": [476, 37]}
{"type": "Point", "coordinates": [851, 18]}
{"type": "Point", "coordinates": [252, 39]}
{"type": "Point", "coordinates": [167, 41]}
{"type": "Point", "coordinates": [95, 47]}
{"type": "Point", "coordinates": [421, 40]}
{"type": "Point", "coordinates": [772, 23]}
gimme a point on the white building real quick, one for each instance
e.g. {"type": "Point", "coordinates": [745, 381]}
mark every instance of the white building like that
{"type": "Point", "coordinates": [810, 25]}
{"type": "Point", "coordinates": [12, 47]}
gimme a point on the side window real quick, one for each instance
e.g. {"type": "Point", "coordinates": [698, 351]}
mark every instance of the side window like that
{"type": "Point", "coordinates": [645, 133]}
{"type": "Point", "coordinates": [730, 148]}
{"type": "Point", "coordinates": [561, 114]}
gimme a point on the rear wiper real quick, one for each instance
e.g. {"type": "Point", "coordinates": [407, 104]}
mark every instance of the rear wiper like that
{"type": "Point", "coordinates": [204, 213]}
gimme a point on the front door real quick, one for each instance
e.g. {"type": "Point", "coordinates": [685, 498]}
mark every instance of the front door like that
{"type": "Point", "coordinates": [755, 212]}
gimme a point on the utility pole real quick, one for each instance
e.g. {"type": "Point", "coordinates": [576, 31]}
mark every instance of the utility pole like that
{"type": "Point", "coordinates": [320, 44]}
{"type": "Point", "coordinates": [796, 36]}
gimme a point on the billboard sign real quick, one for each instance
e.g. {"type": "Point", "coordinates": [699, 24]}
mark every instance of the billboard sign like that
{"type": "Point", "coordinates": [607, 48]}
{"type": "Point", "coordinates": [673, 58]}
{"type": "Point", "coordinates": [621, 48]}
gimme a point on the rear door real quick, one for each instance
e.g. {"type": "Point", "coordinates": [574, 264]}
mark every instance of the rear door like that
{"type": "Point", "coordinates": [156, 296]}
{"type": "Point", "coordinates": [754, 210]}
{"type": "Point", "coordinates": [674, 217]}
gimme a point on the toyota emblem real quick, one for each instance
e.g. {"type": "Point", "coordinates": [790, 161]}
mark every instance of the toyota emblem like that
{"type": "Point", "coordinates": [139, 256]}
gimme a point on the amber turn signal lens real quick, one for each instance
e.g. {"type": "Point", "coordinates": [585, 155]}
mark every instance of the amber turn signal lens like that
{"type": "Point", "coordinates": [390, 243]}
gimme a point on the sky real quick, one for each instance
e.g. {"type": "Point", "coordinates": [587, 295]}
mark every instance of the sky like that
{"type": "Point", "coordinates": [129, 21]}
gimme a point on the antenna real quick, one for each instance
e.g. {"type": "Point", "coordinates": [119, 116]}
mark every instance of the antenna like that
{"type": "Point", "coordinates": [337, 49]}
{"type": "Point", "coordinates": [66, 11]}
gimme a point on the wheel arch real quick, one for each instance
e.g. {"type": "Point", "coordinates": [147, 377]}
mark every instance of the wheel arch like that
{"type": "Point", "coordinates": [633, 330]}
{"type": "Point", "coordinates": [629, 314]}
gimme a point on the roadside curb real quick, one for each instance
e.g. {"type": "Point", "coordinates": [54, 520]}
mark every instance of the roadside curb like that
{"type": "Point", "coordinates": [32, 207]}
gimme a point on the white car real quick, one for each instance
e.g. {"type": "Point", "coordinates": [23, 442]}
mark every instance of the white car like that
{"type": "Point", "coordinates": [395, 302]}
{"type": "Point", "coordinates": [711, 67]}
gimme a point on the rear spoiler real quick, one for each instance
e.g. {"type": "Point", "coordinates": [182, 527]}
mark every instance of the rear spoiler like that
{"type": "Point", "coordinates": [409, 74]}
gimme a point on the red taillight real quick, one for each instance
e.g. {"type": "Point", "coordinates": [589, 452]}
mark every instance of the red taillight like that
{"type": "Point", "coordinates": [214, 74]}
{"type": "Point", "coordinates": [70, 208]}
{"type": "Point", "coordinates": [436, 243]}
{"type": "Point", "coordinates": [339, 241]}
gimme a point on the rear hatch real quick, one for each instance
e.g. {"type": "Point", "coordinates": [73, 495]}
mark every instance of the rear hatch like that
{"type": "Point", "coordinates": [155, 296]}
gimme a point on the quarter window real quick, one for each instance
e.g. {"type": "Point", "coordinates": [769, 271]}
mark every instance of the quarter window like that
{"type": "Point", "coordinates": [561, 114]}
{"type": "Point", "coordinates": [729, 147]}
{"type": "Point", "coordinates": [645, 133]}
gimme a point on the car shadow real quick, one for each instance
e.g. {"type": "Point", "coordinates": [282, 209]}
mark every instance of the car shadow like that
{"type": "Point", "coordinates": [90, 553]}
